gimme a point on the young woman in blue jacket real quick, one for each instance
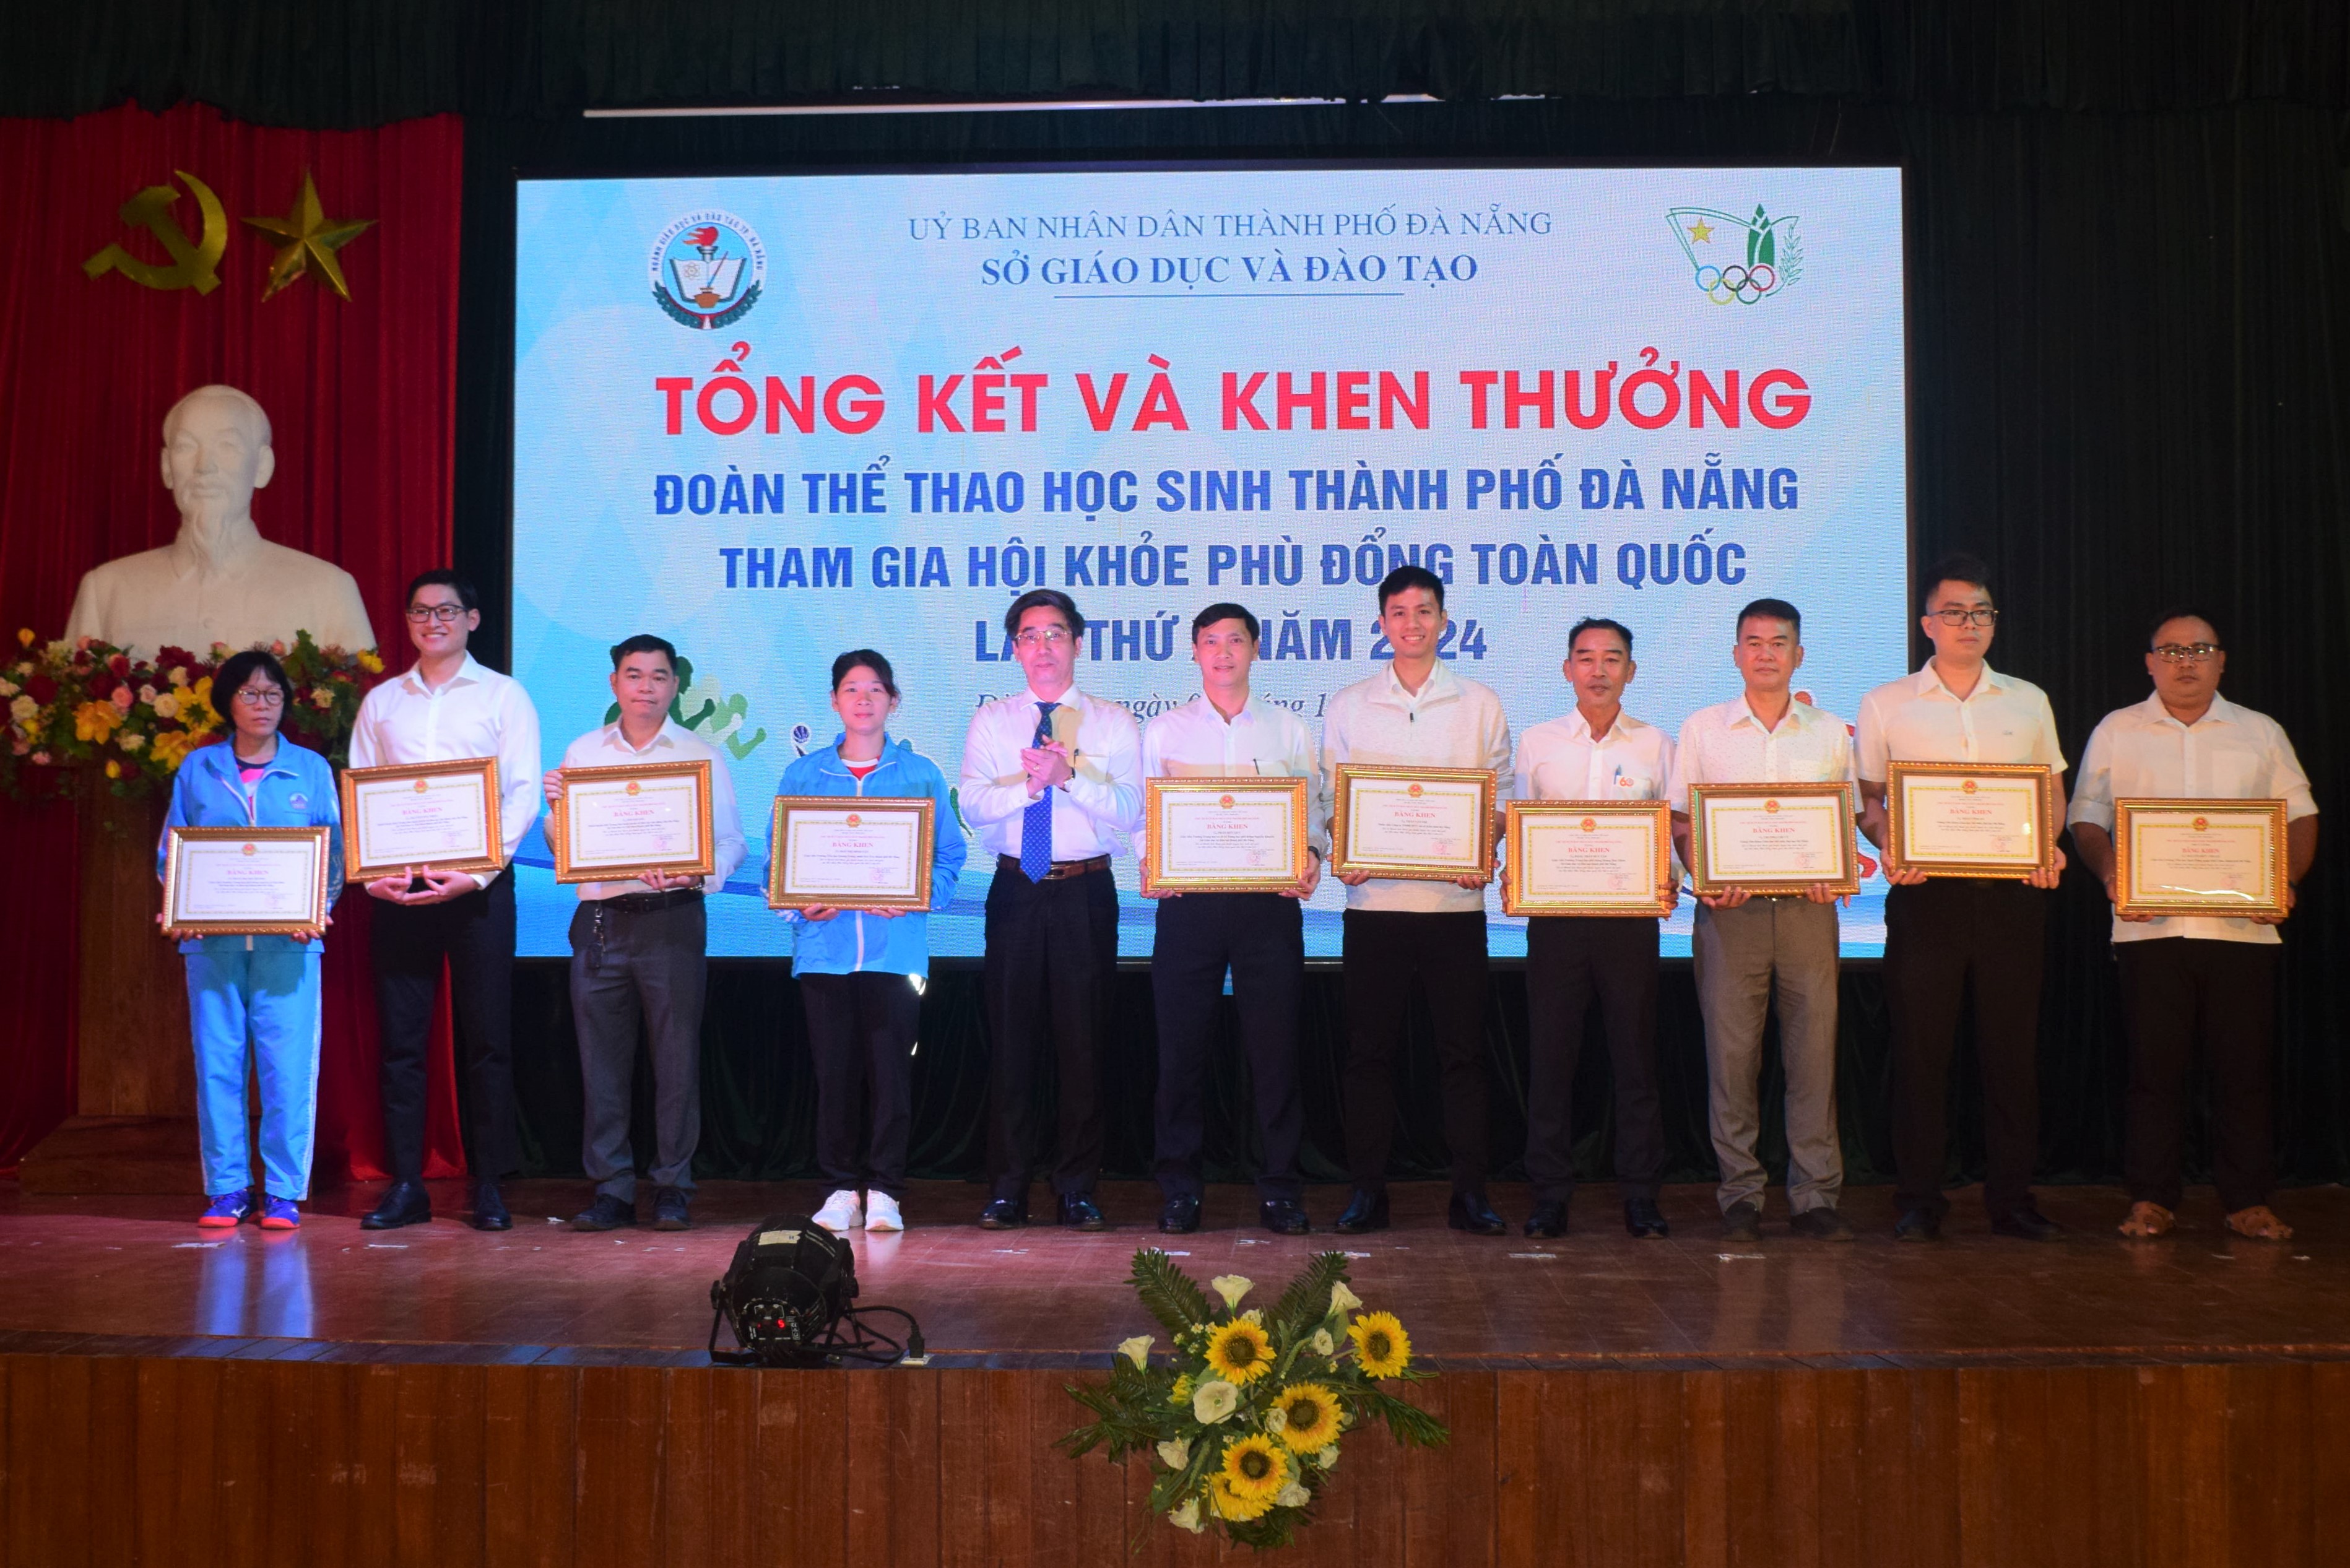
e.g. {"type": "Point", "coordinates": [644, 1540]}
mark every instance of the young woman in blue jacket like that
{"type": "Point", "coordinates": [861, 971]}
{"type": "Point", "coordinates": [254, 994]}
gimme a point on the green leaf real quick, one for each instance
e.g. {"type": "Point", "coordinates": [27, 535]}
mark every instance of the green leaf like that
{"type": "Point", "coordinates": [1171, 1294]}
{"type": "Point", "coordinates": [1407, 1423]}
{"type": "Point", "coordinates": [1306, 1302]}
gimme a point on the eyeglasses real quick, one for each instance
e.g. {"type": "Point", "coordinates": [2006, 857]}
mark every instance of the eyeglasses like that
{"type": "Point", "coordinates": [447, 615]}
{"type": "Point", "coordinates": [1042, 636]}
{"type": "Point", "coordinates": [1951, 615]}
{"type": "Point", "coordinates": [2188, 652]}
{"type": "Point", "coordinates": [261, 697]}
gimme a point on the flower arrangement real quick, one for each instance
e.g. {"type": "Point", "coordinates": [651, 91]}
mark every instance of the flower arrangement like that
{"type": "Point", "coordinates": [87, 703]}
{"type": "Point", "coordinates": [1243, 1422]}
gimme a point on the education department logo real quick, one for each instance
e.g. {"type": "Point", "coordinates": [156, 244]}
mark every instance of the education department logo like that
{"type": "Point", "coordinates": [1745, 259]}
{"type": "Point", "coordinates": [707, 269]}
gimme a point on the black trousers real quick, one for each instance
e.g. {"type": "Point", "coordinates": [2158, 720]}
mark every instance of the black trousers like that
{"type": "Point", "coordinates": [2182, 996]}
{"type": "Point", "coordinates": [408, 942]}
{"type": "Point", "coordinates": [1384, 950]}
{"type": "Point", "coordinates": [862, 1034]}
{"type": "Point", "coordinates": [1941, 936]}
{"type": "Point", "coordinates": [1262, 937]}
{"type": "Point", "coordinates": [628, 967]}
{"type": "Point", "coordinates": [1571, 959]}
{"type": "Point", "coordinates": [1052, 958]}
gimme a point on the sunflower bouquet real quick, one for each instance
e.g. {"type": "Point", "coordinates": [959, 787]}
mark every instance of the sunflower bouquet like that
{"type": "Point", "coordinates": [1243, 1422]}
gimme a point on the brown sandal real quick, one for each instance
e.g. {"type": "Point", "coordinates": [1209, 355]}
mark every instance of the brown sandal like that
{"type": "Point", "coordinates": [2148, 1220]}
{"type": "Point", "coordinates": [2259, 1223]}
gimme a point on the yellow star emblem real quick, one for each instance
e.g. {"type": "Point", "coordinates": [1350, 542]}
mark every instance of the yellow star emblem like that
{"type": "Point", "coordinates": [306, 240]}
{"type": "Point", "coordinates": [1701, 233]}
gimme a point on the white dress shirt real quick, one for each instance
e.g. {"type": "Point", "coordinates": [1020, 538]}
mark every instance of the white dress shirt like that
{"type": "Point", "coordinates": [608, 748]}
{"type": "Point", "coordinates": [1726, 744]}
{"type": "Point", "coordinates": [1451, 721]}
{"type": "Point", "coordinates": [1265, 737]}
{"type": "Point", "coordinates": [1094, 813]}
{"type": "Point", "coordinates": [1558, 760]}
{"type": "Point", "coordinates": [1917, 720]}
{"type": "Point", "coordinates": [2230, 753]}
{"type": "Point", "coordinates": [478, 713]}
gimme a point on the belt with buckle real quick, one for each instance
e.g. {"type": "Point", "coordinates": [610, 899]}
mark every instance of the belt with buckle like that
{"type": "Point", "coordinates": [1062, 869]}
{"type": "Point", "coordinates": [644, 903]}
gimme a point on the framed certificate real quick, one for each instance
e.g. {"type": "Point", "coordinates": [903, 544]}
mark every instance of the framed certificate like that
{"type": "Point", "coordinates": [1771, 839]}
{"type": "Point", "coordinates": [1430, 825]}
{"type": "Point", "coordinates": [246, 881]}
{"type": "Point", "coordinates": [1588, 857]}
{"type": "Point", "coordinates": [2199, 856]}
{"type": "Point", "coordinates": [441, 815]}
{"type": "Point", "coordinates": [613, 825]}
{"type": "Point", "coordinates": [851, 852]}
{"type": "Point", "coordinates": [1217, 835]}
{"type": "Point", "coordinates": [1961, 819]}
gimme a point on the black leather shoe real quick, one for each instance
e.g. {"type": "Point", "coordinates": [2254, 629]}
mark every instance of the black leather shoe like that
{"type": "Point", "coordinates": [1367, 1212]}
{"type": "Point", "coordinates": [1078, 1213]}
{"type": "Point", "coordinates": [405, 1204]}
{"type": "Point", "coordinates": [1470, 1212]}
{"type": "Point", "coordinates": [1917, 1225]}
{"type": "Point", "coordinates": [1742, 1223]}
{"type": "Point", "coordinates": [606, 1213]}
{"type": "Point", "coordinates": [489, 1209]}
{"type": "Point", "coordinates": [1283, 1217]}
{"type": "Point", "coordinates": [669, 1210]}
{"type": "Point", "coordinates": [2028, 1225]}
{"type": "Point", "coordinates": [1822, 1224]}
{"type": "Point", "coordinates": [1181, 1217]}
{"type": "Point", "coordinates": [1003, 1214]}
{"type": "Point", "coordinates": [1645, 1220]}
{"type": "Point", "coordinates": [1547, 1221]}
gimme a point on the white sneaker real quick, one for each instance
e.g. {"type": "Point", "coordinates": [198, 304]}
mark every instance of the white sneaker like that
{"type": "Point", "coordinates": [840, 1211]}
{"type": "Point", "coordinates": [881, 1212]}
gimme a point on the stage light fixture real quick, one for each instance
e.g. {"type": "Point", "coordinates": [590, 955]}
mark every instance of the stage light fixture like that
{"type": "Point", "coordinates": [786, 1297]}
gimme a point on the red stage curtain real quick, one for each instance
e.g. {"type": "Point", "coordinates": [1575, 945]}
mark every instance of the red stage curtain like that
{"type": "Point", "coordinates": [362, 398]}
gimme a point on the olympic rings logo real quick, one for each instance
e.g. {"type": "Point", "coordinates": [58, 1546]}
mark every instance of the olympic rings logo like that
{"type": "Point", "coordinates": [1745, 285]}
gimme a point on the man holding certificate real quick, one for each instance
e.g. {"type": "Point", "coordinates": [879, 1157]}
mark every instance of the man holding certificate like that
{"type": "Point", "coordinates": [1224, 734]}
{"type": "Point", "coordinates": [638, 944]}
{"type": "Point", "coordinates": [1416, 713]}
{"type": "Point", "coordinates": [1746, 941]}
{"type": "Point", "coordinates": [447, 708]}
{"type": "Point", "coordinates": [2157, 777]}
{"type": "Point", "coordinates": [1597, 753]}
{"type": "Point", "coordinates": [1969, 875]}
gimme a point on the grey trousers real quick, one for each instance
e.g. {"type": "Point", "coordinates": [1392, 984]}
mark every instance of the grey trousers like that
{"type": "Point", "coordinates": [1737, 954]}
{"type": "Point", "coordinates": [628, 967]}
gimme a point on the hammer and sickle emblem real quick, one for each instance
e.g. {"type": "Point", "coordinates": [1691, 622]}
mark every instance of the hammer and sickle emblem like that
{"type": "Point", "coordinates": [192, 264]}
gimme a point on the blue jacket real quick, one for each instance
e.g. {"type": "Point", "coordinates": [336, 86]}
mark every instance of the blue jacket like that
{"type": "Point", "coordinates": [298, 790]}
{"type": "Point", "coordinates": [846, 944]}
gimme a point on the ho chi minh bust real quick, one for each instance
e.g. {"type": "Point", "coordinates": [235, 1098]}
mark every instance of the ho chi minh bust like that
{"type": "Point", "coordinates": [220, 581]}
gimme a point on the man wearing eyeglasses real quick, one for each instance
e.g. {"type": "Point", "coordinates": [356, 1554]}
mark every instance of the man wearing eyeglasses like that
{"type": "Point", "coordinates": [448, 708]}
{"type": "Point", "coordinates": [2195, 984]}
{"type": "Point", "coordinates": [1946, 934]}
{"type": "Point", "coordinates": [1052, 780]}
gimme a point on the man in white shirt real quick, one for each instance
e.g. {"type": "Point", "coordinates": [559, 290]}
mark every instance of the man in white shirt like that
{"type": "Point", "coordinates": [1415, 713]}
{"type": "Point", "coordinates": [1052, 781]}
{"type": "Point", "coordinates": [1598, 751]}
{"type": "Point", "coordinates": [448, 708]}
{"type": "Point", "coordinates": [640, 950]}
{"type": "Point", "coordinates": [1743, 943]}
{"type": "Point", "coordinates": [1940, 931]}
{"type": "Point", "coordinates": [1259, 937]}
{"type": "Point", "coordinates": [2195, 984]}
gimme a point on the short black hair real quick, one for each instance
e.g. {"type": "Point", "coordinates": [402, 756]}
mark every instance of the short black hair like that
{"type": "Point", "coordinates": [442, 576]}
{"type": "Point", "coordinates": [1956, 567]}
{"type": "Point", "coordinates": [239, 668]}
{"type": "Point", "coordinates": [1403, 579]}
{"type": "Point", "coordinates": [1769, 609]}
{"type": "Point", "coordinates": [1043, 599]}
{"type": "Point", "coordinates": [870, 660]}
{"type": "Point", "coordinates": [1225, 609]}
{"type": "Point", "coordinates": [1598, 623]}
{"type": "Point", "coordinates": [644, 643]}
{"type": "Point", "coordinates": [2181, 612]}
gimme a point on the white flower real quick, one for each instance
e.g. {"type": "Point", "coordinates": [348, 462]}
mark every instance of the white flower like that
{"type": "Point", "coordinates": [1213, 1400]}
{"type": "Point", "coordinates": [1136, 1350]}
{"type": "Point", "coordinates": [1342, 1299]}
{"type": "Point", "coordinates": [166, 705]}
{"type": "Point", "coordinates": [1292, 1496]}
{"type": "Point", "coordinates": [1327, 1456]}
{"type": "Point", "coordinates": [1232, 1287]}
{"type": "Point", "coordinates": [1176, 1452]}
{"type": "Point", "coordinates": [24, 710]}
{"type": "Point", "coordinates": [8, 689]}
{"type": "Point", "coordinates": [1321, 1344]}
{"type": "Point", "coordinates": [1187, 1516]}
{"type": "Point", "coordinates": [147, 695]}
{"type": "Point", "coordinates": [178, 677]}
{"type": "Point", "coordinates": [130, 742]}
{"type": "Point", "coordinates": [1276, 1421]}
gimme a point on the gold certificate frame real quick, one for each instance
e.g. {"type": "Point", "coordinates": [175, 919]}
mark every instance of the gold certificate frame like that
{"type": "Point", "coordinates": [1174, 807]}
{"type": "Point", "coordinates": [1919, 795]}
{"type": "Point", "coordinates": [1466, 851]}
{"type": "Point", "coordinates": [2180, 857]}
{"type": "Point", "coordinates": [623, 783]}
{"type": "Point", "coordinates": [473, 780]}
{"type": "Point", "coordinates": [1531, 827]}
{"type": "Point", "coordinates": [195, 858]}
{"type": "Point", "coordinates": [1718, 812]}
{"type": "Point", "coordinates": [820, 846]}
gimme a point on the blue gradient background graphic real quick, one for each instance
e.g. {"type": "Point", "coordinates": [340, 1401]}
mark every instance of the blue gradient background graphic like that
{"type": "Point", "coordinates": [849, 289]}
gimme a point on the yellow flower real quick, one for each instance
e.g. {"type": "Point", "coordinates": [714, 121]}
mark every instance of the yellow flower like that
{"type": "Point", "coordinates": [23, 637]}
{"type": "Point", "coordinates": [1380, 1344]}
{"type": "Point", "coordinates": [96, 720]}
{"type": "Point", "coordinates": [1253, 1468]}
{"type": "Point", "coordinates": [113, 769]}
{"type": "Point", "coordinates": [1309, 1417]}
{"type": "Point", "coordinates": [1226, 1503]}
{"type": "Point", "coordinates": [370, 662]}
{"type": "Point", "coordinates": [1181, 1393]}
{"type": "Point", "coordinates": [1238, 1351]}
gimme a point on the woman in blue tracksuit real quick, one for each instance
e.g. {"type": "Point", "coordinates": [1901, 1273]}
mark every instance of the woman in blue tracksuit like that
{"type": "Point", "coordinates": [860, 973]}
{"type": "Point", "coordinates": [255, 994]}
